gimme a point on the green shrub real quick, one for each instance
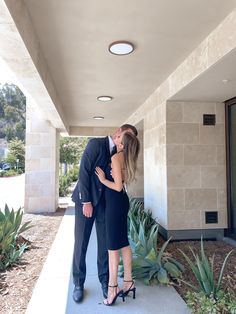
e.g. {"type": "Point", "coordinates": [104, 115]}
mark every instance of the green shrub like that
{"type": "Point", "coordinates": [73, 173]}
{"type": "Point", "coordinates": [64, 184]}
{"type": "Point", "coordinates": [11, 173]}
{"type": "Point", "coordinates": [2, 173]}
{"type": "Point", "coordinates": [66, 180]}
{"type": "Point", "coordinates": [10, 229]}
{"type": "Point", "coordinates": [203, 270]}
{"type": "Point", "coordinates": [16, 152]}
{"type": "Point", "coordinates": [222, 303]}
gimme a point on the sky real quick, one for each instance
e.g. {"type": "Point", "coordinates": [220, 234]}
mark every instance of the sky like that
{"type": "Point", "coordinates": [6, 76]}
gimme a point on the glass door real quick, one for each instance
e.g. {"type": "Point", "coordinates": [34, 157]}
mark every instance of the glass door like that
{"type": "Point", "coordinates": [231, 165]}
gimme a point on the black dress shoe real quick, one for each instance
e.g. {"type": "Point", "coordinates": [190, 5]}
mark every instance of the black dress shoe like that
{"type": "Point", "coordinates": [78, 294]}
{"type": "Point", "coordinates": [104, 289]}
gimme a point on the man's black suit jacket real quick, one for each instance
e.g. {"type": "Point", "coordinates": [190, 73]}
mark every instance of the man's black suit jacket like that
{"type": "Point", "coordinates": [88, 187]}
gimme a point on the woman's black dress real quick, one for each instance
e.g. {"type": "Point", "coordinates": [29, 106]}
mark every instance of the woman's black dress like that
{"type": "Point", "coordinates": [117, 207]}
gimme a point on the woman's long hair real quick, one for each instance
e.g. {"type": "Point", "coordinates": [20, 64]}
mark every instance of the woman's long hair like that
{"type": "Point", "coordinates": [131, 147]}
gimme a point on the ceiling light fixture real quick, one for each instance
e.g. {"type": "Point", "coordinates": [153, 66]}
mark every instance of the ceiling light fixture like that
{"type": "Point", "coordinates": [225, 81]}
{"type": "Point", "coordinates": [104, 98]}
{"type": "Point", "coordinates": [98, 118]}
{"type": "Point", "coordinates": [121, 48]}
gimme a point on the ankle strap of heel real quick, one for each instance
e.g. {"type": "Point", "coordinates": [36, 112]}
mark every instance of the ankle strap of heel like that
{"type": "Point", "coordinates": [113, 286]}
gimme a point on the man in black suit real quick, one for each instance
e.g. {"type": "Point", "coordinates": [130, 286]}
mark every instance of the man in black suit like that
{"type": "Point", "coordinates": [90, 206]}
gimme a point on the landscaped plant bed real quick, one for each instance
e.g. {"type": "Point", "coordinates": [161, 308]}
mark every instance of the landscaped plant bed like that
{"type": "Point", "coordinates": [219, 248]}
{"type": "Point", "coordinates": [17, 282]}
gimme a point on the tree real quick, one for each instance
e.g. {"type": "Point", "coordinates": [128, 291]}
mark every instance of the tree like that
{"type": "Point", "coordinates": [71, 150]}
{"type": "Point", "coordinates": [16, 156]}
{"type": "Point", "coordinates": [12, 112]}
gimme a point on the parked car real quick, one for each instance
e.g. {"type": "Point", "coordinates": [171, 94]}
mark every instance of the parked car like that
{"type": "Point", "coordinates": [5, 166]}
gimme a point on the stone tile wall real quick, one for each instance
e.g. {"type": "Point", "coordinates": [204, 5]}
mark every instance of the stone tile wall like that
{"type": "Point", "coordinates": [155, 176]}
{"type": "Point", "coordinates": [196, 165]}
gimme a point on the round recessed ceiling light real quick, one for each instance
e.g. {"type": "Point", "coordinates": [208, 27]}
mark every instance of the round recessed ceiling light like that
{"type": "Point", "coordinates": [98, 118]}
{"type": "Point", "coordinates": [225, 81]}
{"type": "Point", "coordinates": [121, 48]}
{"type": "Point", "coordinates": [104, 98]}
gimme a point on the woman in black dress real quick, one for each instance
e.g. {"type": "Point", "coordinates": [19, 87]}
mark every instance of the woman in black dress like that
{"type": "Point", "coordinates": [121, 171]}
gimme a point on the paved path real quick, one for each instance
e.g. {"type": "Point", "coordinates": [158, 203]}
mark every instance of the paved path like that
{"type": "Point", "coordinates": [12, 191]}
{"type": "Point", "coordinates": [53, 291]}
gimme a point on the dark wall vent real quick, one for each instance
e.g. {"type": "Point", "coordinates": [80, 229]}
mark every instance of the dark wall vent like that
{"type": "Point", "coordinates": [209, 119]}
{"type": "Point", "coordinates": [211, 217]}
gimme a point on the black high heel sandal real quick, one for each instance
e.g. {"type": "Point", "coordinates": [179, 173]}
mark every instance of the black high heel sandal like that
{"type": "Point", "coordinates": [120, 293]}
{"type": "Point", "coordinates": [125, 293]}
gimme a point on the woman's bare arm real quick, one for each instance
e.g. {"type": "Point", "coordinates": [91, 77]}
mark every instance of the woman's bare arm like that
{"type": "Point", "coordinates": [117, 185]}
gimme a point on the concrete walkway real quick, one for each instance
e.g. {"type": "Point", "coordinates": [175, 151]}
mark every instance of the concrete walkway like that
{"type": "Point", "coordinates": [12, 191]}
{"type": "Point", "coordinates": [53, 291]}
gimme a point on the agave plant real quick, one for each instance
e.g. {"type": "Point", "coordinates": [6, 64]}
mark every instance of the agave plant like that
{"type": "Point", "coordinates": [10, 229]}
{"type": "Point", "coordinates": [155, 266]}
{"type": "Point", "coordinates": [149, 264]}
{"type": "Point", "coordinates": [203, 270]}
{"type": "Point", "coordinates": [136, 215]}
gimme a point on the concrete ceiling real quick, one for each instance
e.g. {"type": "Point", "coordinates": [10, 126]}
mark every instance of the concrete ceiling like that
{"type": "Point", "coordinates": [74, 37]}
{"type": "Point", "coordinates": [211, 85]}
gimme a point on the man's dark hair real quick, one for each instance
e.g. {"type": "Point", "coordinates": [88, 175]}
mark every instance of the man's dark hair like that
{"type": "Point", "coordinates": [126, 127]}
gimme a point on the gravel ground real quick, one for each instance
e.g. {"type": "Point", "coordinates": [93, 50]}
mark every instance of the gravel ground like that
{"type": "Point", "coordinates": [17, 283]}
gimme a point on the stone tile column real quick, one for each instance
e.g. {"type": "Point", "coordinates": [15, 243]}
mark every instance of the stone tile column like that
{"type": "Point", "coordinates": [196, 168]}
{"type": "Point", "coordinates": [41, 163]}
{"type": "Point", "coordinates": [155, 173]}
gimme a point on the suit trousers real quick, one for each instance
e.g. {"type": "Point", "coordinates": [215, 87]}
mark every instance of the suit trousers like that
{"type": "Point", "coordinates": [82, 232]}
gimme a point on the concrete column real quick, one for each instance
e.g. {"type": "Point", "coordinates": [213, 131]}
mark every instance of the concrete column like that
{"type": "Point", "coordinates": [41, 163]}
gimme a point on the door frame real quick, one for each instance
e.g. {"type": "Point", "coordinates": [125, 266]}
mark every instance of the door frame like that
{"type": "Point", "coordinates": [228, 103]}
